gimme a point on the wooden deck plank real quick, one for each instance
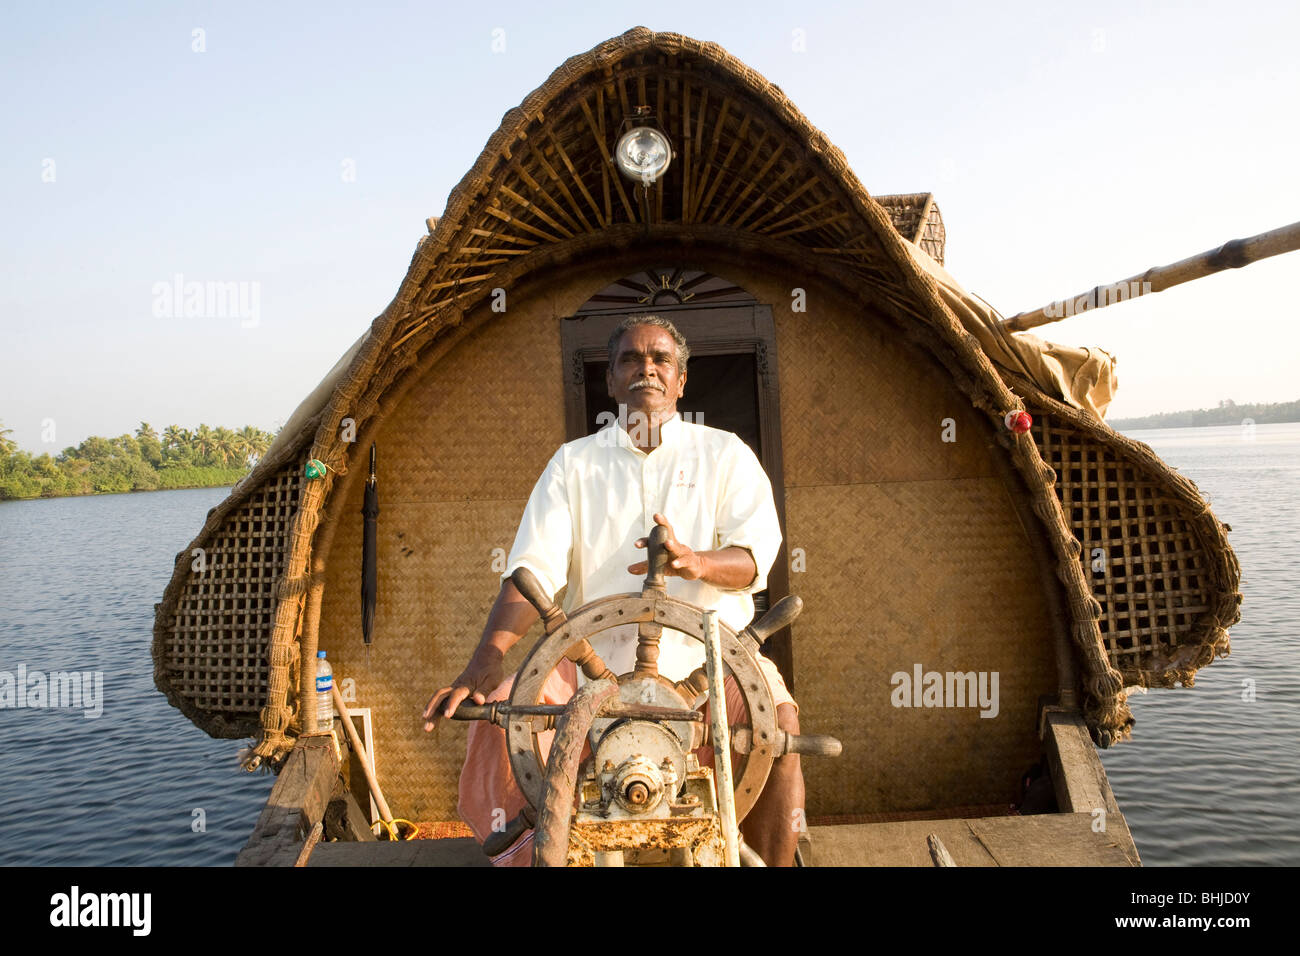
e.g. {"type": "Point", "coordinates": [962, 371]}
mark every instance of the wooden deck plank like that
{"type": "Point", "coordinates": [1077, 771]}
{"type": "Point", "coordinates": [1059, 839]}
{"type": "Point", "coordinates": [1050, 839]}
{"type": "Point", "coordinates": [1043, 840]}
{"type": "Point", "coordinates": [344, 818]}
{"type": "Point", "coordinates": [456, 851]}
{"type": "Point", "coordinates": [297, 802]}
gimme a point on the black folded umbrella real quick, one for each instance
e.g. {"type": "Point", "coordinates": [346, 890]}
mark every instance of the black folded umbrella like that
{"type": "Point", "coordinates": [369, 572]}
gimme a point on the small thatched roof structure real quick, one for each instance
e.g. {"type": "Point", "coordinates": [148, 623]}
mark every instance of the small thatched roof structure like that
{"type": "Point", "coordinates": [917, 219]}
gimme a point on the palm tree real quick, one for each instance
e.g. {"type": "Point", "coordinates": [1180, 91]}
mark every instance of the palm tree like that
{"type": "Point", "coordinates": [150, 448]}
{"type": "Point", "coordinates": [252, 443]}
{"type": "Point", "coordinates": [7, 445]}
{"type": "Point", "coordinates": [223, 444]}
{"type": "Point", "coordinates": [175, 437]}
{"type": "Point", "coordinates": [202, 442]}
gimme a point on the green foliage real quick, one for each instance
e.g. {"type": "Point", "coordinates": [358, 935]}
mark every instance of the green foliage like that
{"type": "Point", "coordinates": [7, 444]}
{"type": "Point", "coordinates": [1228, 413]}
{"type": "Point", "coordinates": [144, 461]}
{"type": "Point", "coordinates": [191, 477]}
{"type": "Point", "coordinates": [150, 446]}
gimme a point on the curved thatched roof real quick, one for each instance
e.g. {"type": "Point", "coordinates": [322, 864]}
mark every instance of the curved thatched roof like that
{"type": "Point", "coordinates": [753, 174]}
{"type": "Point", "coordinates": [915, 216]}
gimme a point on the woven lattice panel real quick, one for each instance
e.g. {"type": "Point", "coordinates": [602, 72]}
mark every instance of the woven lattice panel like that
{"type": "Point", "coordinates": [917, 219]}
{"type": "Point", "coordinates": [1165, 580]}
{"type": "Point", "coordinates": [213, 664]}
{"type": "Point", "coordinates": [933, 235]}
{"type": "Point", "coordinates": [905, 211]}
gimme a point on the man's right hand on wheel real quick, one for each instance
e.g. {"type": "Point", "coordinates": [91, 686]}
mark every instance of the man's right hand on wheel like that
{"type": "Point", "coordinates": [481, 676]}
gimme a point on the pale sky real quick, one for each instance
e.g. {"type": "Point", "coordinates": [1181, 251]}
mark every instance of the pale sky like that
{"type": "Point", "coordinates": [1066, 147]}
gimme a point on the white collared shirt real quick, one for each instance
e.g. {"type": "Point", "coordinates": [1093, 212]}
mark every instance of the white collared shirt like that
{"type": "Point", "coordinates": [599, 494]}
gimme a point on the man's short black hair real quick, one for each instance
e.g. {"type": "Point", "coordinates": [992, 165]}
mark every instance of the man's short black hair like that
{"type": "Point", "coordinates": [632, 321]}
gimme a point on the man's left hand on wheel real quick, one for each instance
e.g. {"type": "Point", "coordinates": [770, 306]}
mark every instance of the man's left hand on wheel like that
{"type": "Point", "coordinates": [683, 562]}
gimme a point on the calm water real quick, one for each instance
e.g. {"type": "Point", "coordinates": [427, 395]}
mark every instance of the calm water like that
{"type": "Point", "coordinates": [1210, 778]}
{"type": "Point", "coordinates": [78, 581]}
{"type": "Point", "coordinates": [1207, 779]}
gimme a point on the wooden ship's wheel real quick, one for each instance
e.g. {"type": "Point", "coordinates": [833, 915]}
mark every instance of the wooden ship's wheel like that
{"type": "Point", "coordinates": [641, 728]}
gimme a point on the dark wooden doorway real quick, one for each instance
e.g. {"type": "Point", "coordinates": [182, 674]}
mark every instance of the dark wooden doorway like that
{"type": "Point", "coordinates": [731, 381]}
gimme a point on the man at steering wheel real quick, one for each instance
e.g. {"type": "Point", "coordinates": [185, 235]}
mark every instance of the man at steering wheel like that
{"type": "Point", "coordinates": [587, 514]}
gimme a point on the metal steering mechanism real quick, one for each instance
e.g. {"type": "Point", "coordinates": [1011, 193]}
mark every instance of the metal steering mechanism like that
{"type": "Point", "coordinates": [652, 610]}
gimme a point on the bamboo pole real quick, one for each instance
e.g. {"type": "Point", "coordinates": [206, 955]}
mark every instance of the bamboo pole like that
{"type": "Point", "coordinates": [1230, 255]}
{"type": "Point", "coordinates": [359, 746]}
{"type": "Point", "coordinates": [721, 740]}
{"type": "Point", "coordinates": [313, 838]}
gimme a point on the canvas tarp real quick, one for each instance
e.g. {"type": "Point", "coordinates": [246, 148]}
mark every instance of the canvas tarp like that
{"type": "Point", "coordinates": [1079, 376]}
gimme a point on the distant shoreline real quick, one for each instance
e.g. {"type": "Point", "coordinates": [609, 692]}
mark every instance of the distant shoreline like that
{"type": "Point", "coordinates": [108, 494]}
{"type": "Point", "coordinates": [145, 461]}
{"type": "Point", "coordinates": [1128, 424]}
{"type": "Point", "coordinates": [1228, 413]}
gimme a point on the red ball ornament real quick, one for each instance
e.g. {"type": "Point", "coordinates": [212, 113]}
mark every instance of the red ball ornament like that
{"type": "Point", "coordinates": [1018, 422]}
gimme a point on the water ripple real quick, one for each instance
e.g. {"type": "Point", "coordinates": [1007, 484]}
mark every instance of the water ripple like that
{"type": "Point", "coordinates": [1211, 775]}
{"type": "Point", "coordinates": [78, 581]}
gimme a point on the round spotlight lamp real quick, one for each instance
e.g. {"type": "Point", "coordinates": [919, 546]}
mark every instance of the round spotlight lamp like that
{"type": "Point", "coordinates": [643, 154]}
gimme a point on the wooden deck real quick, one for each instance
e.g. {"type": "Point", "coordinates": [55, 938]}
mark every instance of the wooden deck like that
{"type": "Point", "coordinates": [1052, 839]}
{"type": "Point", "coordinates": [1049, 839]}
{"type": "Point", "coordinates": [458, 851]}
{"type": "Point", "coordinates": [309, 798]}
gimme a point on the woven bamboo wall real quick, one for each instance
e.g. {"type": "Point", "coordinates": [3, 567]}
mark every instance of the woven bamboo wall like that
{"type": "Point", "coordinates": [457, 460]}
{"type": "Point", "coordinates": [914, 552]}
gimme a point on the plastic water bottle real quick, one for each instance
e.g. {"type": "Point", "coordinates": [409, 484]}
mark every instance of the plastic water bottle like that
{"type": "Point", "coordinates": [324, 695]}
